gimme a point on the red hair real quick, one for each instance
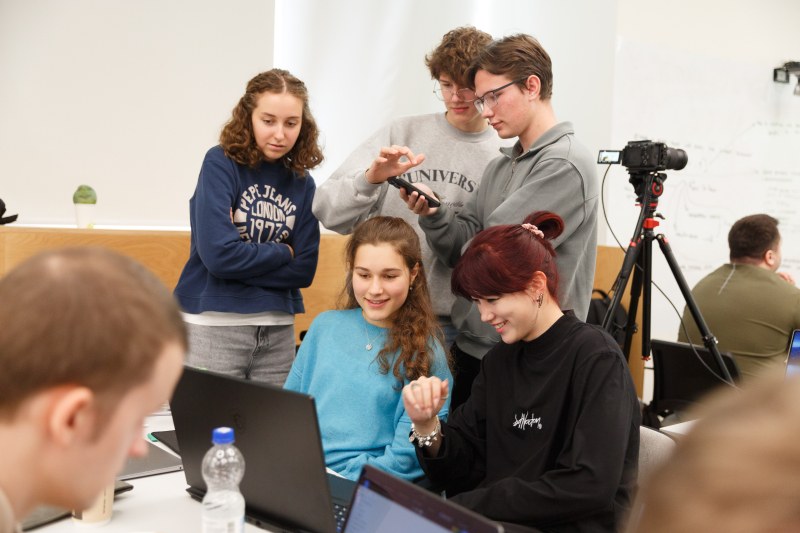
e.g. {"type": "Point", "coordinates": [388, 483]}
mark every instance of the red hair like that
{"type": "Point", "coordinates": [503, 259]}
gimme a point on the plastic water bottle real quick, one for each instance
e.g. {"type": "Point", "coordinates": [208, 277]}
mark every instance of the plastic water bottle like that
{"type": "Point", "coordinates": [223, 469]}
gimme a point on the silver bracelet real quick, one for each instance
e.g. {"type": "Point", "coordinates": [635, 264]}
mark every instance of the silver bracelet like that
{"type": "Point", "coordinates": [425, 440]}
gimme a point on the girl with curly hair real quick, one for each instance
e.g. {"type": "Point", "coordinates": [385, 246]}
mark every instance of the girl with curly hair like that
{"type": "Point", "coordinates": [255, 241]}
{"type": "Point", "coordinates": [355, 360]}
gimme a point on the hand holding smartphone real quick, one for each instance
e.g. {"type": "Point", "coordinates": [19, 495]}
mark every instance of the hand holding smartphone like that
{"type": "Point", "coordinates": [400, 183]}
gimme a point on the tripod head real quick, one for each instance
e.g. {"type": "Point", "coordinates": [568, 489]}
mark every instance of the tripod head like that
{"type": "Point", "coordinates": [650, 183]}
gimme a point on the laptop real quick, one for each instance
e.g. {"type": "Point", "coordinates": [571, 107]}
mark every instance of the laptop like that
{"type": "Point", "coordinates": [285, 483]}
{"type": "Point", "coordinates": [386, 504]}
{"type": "Point", "coordinates": [793, 359]}
{"type": "Point", "coordinates": [157, 461]}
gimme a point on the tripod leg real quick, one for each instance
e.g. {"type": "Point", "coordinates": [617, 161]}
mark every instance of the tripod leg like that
{"type": "Point", "coordinates": [631, 257]}
{"type": "Point", "coordinates": [708, 339]}
{"type": "Point", "coordinates": [633, 306]}
{"type": "Point", "coordinates": [647, 286]}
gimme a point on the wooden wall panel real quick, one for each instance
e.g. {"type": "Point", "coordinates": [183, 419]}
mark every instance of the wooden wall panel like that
{"type": "Point", "coordinates": [328, 281]}
{"type": "Point", "coordinates": [166, 252]}
{"type": "Point", "coordinates": [163, 252]}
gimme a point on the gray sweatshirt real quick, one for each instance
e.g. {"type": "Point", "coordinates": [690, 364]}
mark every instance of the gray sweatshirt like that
{"type": "Point", "coordinates": [557, 173]}
{"type": "Point", "coordinates": [453, 166]}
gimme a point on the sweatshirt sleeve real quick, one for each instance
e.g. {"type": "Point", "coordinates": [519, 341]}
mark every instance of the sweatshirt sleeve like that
{"type": "Point", "coordinates": [447, 233]}
{"type": "Point", "coordinates": [219, 244]}
{"type": "Point", "coordinates": [346, 198]}
{"type": "Point", "coordinates": [299, 272]}
{"type": "Point", "coordinates": [588, 469]}
{"type": "Point", "coordinates": [553, 185]}
{"type": "Point", "coordinates": [462, 456]}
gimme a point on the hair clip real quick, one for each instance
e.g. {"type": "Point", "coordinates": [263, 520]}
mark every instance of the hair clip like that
{"type": "Point", "coordinates": [533, 229]}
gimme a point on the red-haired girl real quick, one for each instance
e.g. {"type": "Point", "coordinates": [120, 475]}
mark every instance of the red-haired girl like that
{"type": "Point", "coordinates": [549, 437]}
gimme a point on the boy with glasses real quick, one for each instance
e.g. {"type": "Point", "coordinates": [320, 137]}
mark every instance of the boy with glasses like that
{"type": "Point", "coordinates": [448, 152]}
{"type": "Point", "coordinates": [546, 170]}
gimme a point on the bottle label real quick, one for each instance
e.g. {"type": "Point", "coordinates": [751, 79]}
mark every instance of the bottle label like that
{"type": "Point", "coordinates": [211, 525]}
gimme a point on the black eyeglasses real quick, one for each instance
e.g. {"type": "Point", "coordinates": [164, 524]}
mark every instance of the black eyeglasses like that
{"type": "Point", "coordinates": [490, 97]}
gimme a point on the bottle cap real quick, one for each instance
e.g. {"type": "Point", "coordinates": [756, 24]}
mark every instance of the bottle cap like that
{"type": "Point", "coordinates": [222, 436]}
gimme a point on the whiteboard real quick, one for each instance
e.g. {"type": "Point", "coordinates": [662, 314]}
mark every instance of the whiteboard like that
{"type": "Point", "coordinates": [741, 132]}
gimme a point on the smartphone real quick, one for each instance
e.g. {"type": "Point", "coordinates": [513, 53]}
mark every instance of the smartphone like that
{"type": "Point", "coordinates": [400, 183]}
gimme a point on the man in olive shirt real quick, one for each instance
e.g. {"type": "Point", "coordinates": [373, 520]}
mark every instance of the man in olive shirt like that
{"type": "Point", "coordinates": [750, 309]}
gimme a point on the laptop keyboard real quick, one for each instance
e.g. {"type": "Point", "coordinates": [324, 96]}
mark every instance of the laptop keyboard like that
{"type": "Point", "coordinates": [339, 514]}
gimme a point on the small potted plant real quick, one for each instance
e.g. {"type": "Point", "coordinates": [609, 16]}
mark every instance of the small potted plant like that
{"type": "Point", "coordinates": [85, 200]}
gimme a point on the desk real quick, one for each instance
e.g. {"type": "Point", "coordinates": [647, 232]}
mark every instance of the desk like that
{"type": "Point", "coordinates": [156, 503]}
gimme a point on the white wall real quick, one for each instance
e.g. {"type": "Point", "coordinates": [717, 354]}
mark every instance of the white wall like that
{"type": "Point", "coordinates": [363, 61]}
{"type": "Point", "coordinates": [128, 96]}
{"type": "Point", "coordinates": [120, 95]}
{"type": "Point", "coordinates": [763, 34]}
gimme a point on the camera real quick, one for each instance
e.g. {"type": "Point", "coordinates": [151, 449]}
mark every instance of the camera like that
{"type": "Point", "coordinates": [645, 156]}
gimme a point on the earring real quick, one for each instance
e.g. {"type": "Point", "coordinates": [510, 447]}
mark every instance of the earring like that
{"type": "Point", "coordinates": [540, 299]}
{"type": "Point", "coordinates": [411, 287]}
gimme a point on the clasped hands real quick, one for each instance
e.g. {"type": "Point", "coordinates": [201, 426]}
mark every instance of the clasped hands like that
{"type": "Point", "coordinates": [423, 398]}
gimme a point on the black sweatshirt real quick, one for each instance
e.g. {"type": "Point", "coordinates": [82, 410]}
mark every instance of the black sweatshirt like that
{"type": "Point", "coordinates": [549, 437]}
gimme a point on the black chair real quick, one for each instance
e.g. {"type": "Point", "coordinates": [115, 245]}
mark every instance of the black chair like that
{"type": "Point", "coordinates": [680, 379]}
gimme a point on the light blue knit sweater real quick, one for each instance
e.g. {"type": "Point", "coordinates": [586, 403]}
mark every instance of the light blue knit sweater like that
{"type": "Point", "coordinates": [361, 416]}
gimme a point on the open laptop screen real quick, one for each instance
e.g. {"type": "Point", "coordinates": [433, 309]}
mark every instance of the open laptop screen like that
{"type": "Point", "coordinates": [793, 362]}
{"type": "Point", "coordinates": [385, 504]}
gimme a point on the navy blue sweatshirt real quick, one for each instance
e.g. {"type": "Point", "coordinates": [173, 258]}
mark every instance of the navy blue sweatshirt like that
{"type": "Point", "coordinates": [244, 266]}
{"type": "Point", "coordinates": [549, 437]}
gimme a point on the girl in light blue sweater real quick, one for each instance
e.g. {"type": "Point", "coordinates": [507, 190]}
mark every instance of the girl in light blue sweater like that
{"type": "Point", "coordinates": [355, 361]}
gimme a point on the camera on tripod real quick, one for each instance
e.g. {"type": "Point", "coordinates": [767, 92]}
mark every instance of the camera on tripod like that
{"type": "Point", "coordinates": [645, 161]}
{"type": "Point", "coordinates": [645, 156]}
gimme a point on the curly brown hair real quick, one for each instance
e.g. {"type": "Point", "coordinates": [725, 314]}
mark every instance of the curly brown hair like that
{"type": "Point", "coordinates": [237, 137]}
{"type": "Point", "coordinates": [415, 326]}
{"type": "Point", "coordinates": [458, 49]}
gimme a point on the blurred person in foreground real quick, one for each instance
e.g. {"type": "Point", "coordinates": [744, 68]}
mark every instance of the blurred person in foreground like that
{"type": "Point", "coordinates": [737, 470]}
{"type": "Point", "coordinates": [90, 343]}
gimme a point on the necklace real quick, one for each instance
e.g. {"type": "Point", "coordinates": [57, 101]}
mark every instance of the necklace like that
{"type": "Point", "coordinates": [369, 343]}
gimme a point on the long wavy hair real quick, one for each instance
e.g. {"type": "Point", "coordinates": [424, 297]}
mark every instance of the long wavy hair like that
{"type": "Point", "coordinates": [237, 137]}
{"type": "Point", "coordinates": [415, 328]}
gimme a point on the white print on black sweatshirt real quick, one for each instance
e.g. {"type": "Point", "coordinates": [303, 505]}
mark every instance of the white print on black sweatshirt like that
{"type": "Point", "coordinates": [263, 215]}
{"type": "Point", "coordinates": [524, 421]}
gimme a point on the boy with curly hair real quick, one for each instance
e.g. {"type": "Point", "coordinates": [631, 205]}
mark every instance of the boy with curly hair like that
{"type": "Point", "coordinates": [446, 151]}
